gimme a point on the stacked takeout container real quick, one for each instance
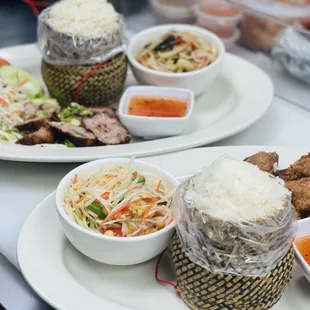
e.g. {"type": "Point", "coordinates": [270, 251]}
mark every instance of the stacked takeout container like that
{"type": "Point", "coordinates": [259, 24]}
{"type": "Point", "coordinates": [217, 16]}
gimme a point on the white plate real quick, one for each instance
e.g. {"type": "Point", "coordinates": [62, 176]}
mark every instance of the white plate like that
{"type": "Point", "coordinates": [232, 103]}
{"type": "Point", "coordinates": [68, 280]}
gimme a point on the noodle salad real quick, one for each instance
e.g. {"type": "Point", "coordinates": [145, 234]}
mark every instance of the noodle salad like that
{"type": "Point", "coordinates": [120, 202]}
{"type": "Point", "coordinates": [178, 52]}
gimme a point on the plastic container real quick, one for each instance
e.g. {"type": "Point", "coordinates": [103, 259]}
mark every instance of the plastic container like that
{"type": "Point", "coordinates": [218, 16]}
{"type": "Point", "coordinates": [171, 12]}
{"type": "Point", "coordinates": [263, 22]}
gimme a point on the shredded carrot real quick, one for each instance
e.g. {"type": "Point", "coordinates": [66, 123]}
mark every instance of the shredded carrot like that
{"type": "Point", "coordinates": [12, 92]}
{"type": "Point", "coordinates": [125, 207]}
{"type": "Point", "coordinates": [3, 102]}
{"type": "Point", "coordinates": [105, 195]}
{"type": "Point", "coordinates": [123, 210]}
{"type": "Point", "coordinates": [142, 233]}
{"type": "Point", "coordinates": [147, 212]}
{"type": "Point", "coordinates": [158, 186]}
{"type": "Point", "coordinates": [75, 179]}
{"type": "Point", "coordinates": [3, 62]}
{"type": "Point", "coordinates": [80, 199]}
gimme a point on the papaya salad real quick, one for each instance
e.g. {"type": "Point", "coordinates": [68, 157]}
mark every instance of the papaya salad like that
{"type": "Point", "coordinates": [178, 52]}
{"type": "Point", "coordinates": [16, 88]}
{"type": "Point", "coordinates": [119, 201]}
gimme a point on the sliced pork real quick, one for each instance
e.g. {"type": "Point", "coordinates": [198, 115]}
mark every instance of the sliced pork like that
{"type": "Point", "coordinates": [111, 112]}
{"type": "Point", "coordinates": [78, 135]}
{"type": "Point", "coordinates": [33, 124]}
{"type": "Point", "coordinates": [41, 136]}
{"type": "Point", "coordinates": [108, 130]}
{"type": "Point", "coordinates": [35, 110]}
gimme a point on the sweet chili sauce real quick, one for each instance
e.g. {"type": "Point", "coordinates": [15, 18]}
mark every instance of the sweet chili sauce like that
{"type": "Point", "coordinates": [303, 246]}
{"type": "Point", "coordinates": [157, 106]}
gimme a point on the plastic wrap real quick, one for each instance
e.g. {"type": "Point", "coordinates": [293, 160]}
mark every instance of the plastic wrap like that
{"type": "Point", "coordinates": [62, 48]}
{"type": "Point", "coordinates": [232, 247]}
{"type": "Point", "coordinates": [291, 50]}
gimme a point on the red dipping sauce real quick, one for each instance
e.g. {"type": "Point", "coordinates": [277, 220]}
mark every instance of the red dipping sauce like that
{"type": "Point", "coordinates": [152, 106]}
{"type": "Point", "coordinates": [303, 246]}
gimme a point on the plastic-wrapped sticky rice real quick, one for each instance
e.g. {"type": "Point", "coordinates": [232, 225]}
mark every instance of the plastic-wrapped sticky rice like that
{"type": "Point", "coordinates": [235, 218]}
{"type": "Point", "coordinates": [233, 247]}
{"type": "Point", "coordinates": [83, 40]}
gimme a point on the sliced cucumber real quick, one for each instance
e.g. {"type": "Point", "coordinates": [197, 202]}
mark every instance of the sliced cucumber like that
{"type": "Point", "coordinates": [12, 76]}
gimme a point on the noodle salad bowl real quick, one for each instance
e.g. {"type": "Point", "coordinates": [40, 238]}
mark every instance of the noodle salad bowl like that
{"type": "Point", "coordinates": [196, 79]}
{"type": "Point", "coordinates": [117, 211]}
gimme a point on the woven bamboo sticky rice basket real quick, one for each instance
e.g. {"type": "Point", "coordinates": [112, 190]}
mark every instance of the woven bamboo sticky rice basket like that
{"type": "Point", "coordinates": [201, 289]}
{"type": "Point", "coordinates": [102, 88]}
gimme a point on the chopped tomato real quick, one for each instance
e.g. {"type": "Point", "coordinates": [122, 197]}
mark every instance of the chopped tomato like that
{"type": "Point", "coordinates": [193, 46]}
{"type": "Point", "coordinates": [179, 41]}
{"type": "Point", "coordinates": [3, 62]}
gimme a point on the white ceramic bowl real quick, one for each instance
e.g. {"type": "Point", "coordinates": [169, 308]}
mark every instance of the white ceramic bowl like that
{"type": "Point", "coordinates": [114, 250]}
{"type": "Point", "coordinates": [197, 81]}
{"type": "Point", "coordinates": [303, 230]}
{"type": "Point", "coordinates": [155, 127]}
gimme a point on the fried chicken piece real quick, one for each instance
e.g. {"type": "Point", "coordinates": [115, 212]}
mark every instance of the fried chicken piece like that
{"type": "Point", "coordinates": [300, 196]}
{"type": "Point", "coordinates": [265, 161]}
{"type": "Point", "coordinates": [300, 169]}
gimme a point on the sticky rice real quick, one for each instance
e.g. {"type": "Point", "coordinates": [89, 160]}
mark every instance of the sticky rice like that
{"type": "Point", "coordinates": [233, 190]}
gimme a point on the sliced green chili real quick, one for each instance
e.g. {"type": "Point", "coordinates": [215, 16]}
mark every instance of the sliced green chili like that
{"type": "Point", "coordinates": [141, 179]}
{"type": "Point", "coordinates": [97, 209]}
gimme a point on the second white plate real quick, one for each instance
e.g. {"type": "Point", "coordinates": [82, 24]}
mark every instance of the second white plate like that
{"type": "Point", "coordinates": [238, 97]}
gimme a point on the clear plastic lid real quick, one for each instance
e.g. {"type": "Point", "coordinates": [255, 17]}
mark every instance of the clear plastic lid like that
{"type": "Point", "coordinates": [173, 8]}
{"type": "Point", "coordinates": [281, 9]}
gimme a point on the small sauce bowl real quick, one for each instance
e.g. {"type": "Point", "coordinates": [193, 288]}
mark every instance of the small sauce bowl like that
{"type": "Point", "coordinates": [150, 127]}
{"type": "Point", "coordinates": [303, 230]}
